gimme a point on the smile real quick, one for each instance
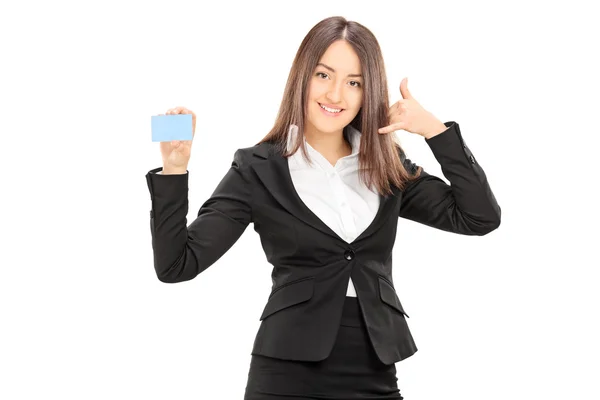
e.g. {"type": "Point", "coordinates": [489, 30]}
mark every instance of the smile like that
{"type": "Point", "coordinates": [330, 111]}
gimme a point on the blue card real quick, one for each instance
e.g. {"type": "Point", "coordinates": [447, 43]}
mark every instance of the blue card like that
{"type": "Point", "coordinates": [171, 127]}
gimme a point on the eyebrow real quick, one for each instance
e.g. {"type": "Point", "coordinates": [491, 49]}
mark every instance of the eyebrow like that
{"type": "Point", "coordinates": [332, 70]}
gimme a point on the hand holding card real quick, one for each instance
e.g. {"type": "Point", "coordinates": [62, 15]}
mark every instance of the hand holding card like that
{"type": "Point", "coordinates": [171, 130]}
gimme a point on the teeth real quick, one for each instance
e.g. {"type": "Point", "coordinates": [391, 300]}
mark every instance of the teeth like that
{"type": "Point", "coordinates": [333, 110]}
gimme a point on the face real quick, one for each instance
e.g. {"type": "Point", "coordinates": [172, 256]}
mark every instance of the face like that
{"type": "Point", "coordinates": [335, 83]}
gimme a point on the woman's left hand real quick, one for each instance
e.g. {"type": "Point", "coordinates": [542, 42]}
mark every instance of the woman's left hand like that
{"type": "Point", "coordinates": [409, 115]}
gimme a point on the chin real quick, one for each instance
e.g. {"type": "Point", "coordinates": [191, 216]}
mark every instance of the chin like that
{"type": "Point", "coordinates": [328, 127]}
{"type": "Point", "coordinates": [327, 124]}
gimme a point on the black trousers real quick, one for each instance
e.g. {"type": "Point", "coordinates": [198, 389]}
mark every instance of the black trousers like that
{"type": "Point", "coordinates": [352, 370]}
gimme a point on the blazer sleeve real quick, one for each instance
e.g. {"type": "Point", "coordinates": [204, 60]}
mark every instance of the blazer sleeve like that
{"type": "Point", "coordinates": [181, 252]}
{"type": "Point", "coordinates": [467, 206]}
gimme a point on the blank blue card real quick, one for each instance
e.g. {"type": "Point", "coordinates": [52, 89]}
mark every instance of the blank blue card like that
{"type": "Point", "coordinates": [171, 127]}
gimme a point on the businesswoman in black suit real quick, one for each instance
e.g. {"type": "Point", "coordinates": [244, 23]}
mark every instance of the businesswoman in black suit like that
{"type": "Point", "coordinates": [324, 190]}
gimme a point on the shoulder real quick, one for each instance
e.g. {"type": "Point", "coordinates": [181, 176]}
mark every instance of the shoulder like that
{"type": "Point", "coordinates": [400, 152]}
{"type": "Point", "coordinates": [249, 154]}
{"type": "Point", "coordinates": [410, 167]}
{"type": "Point", "coordinates": [245, 156]}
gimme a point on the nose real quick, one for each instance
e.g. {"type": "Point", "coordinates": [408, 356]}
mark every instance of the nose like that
{"type": "Point", "coordinates": [334, 94]}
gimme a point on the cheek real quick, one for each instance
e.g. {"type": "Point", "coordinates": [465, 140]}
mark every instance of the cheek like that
{"type": "Point", "coordinates": [315, 90]}
{"type": "Point", "coordinates": [355, 99]}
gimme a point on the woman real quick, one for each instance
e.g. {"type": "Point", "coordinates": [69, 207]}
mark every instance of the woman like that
{"type": "Point", "coordinates": [333, 325]}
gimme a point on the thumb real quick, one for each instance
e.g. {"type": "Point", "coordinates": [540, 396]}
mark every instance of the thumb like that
{"type": "Point", "coordinates": [404, 89]}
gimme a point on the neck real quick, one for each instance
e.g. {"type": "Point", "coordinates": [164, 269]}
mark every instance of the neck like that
{"type": "Point", "coordinates": [330, 144]}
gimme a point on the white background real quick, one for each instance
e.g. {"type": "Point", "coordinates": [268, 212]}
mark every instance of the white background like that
{"type": "Point", "coordinates": [511, 315]}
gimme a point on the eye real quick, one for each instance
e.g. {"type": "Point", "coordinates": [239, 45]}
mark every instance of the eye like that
{"type": "Point", "coordinates": [352, 83]}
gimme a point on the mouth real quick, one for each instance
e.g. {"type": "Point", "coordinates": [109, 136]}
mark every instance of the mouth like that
{"type": "Point", "coordinates": [332, 112]}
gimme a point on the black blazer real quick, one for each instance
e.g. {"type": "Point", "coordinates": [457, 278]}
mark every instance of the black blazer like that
{"type": "Point", "coordinates": [311, 263]}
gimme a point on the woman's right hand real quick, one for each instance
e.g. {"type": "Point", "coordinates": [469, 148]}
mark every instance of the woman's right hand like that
{"type": "Point", "coordinates": [176, 153]}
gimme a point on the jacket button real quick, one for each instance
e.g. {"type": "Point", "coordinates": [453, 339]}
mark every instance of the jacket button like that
{"type": "Point", "coordinates": [349, 255]}
{"type": "Point", "coordinates": [472, 159]}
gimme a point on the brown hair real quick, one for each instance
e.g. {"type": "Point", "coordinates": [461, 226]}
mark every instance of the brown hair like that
{"type": "Point", "coordinates": [379, 159]}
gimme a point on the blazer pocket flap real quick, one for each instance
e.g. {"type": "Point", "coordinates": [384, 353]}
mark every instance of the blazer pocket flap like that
{"type": "Point", "coordinates": [388, 295]}
{"type": "Point", "coordinates": [288, 295]}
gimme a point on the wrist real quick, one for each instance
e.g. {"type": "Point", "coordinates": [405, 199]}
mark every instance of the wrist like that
{"type": "Point", "coordinates": [174, 171]}
{"type": "Point", "coordinates": [436, 130]}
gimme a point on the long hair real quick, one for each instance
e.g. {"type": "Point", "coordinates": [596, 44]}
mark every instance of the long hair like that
{"type": "Point", "coordinates": [379, 160]}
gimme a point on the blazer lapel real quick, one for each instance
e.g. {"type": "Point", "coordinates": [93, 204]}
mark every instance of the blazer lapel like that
{"type": "Point", "coordinates": [275, 175]}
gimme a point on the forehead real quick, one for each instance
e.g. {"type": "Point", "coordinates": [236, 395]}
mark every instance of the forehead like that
{"type": "Point", "coordinates": [342, 58]}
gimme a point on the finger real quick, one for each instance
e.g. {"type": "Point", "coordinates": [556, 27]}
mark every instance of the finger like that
{"type": "Point", "coordinates": [399, 107]}
{"type": "Point", "coordinates": [392, 127]}
{"type": "Point", "coordinates": [394, 109]}
{"type": "Point", "coordinates": [404, 89]}
{"type": "Point", "coordinates": [384, 130]}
